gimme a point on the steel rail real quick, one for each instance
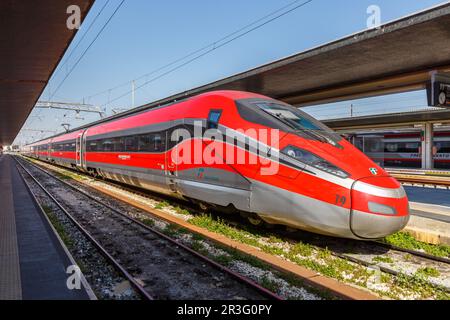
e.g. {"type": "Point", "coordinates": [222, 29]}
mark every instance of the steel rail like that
{"type": "Point", "coordinates": [426, 181]}
{"type": "Point", "coordinates": [211, 262]}
{"type": "Point", "coordinates": [413, 252]}
{"type": "Point", "coordinates": [383, 269]}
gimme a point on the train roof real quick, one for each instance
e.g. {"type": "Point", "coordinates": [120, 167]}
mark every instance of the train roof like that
{"type": "Point", "coordinates": [230, 94]}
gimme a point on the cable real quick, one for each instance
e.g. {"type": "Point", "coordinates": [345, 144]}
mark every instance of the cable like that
{"type": "Point", "coordinates": [194, 52]}
{"type": "Point", "coordinates": [87, 49]}
{"type": "Point", "coordinates": [84, 35]}
{"type": "Point", "coordinates": [213, 49]}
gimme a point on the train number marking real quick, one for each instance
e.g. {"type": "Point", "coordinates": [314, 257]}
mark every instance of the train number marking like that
{"type": "Point", "coordinates": [340, 200]}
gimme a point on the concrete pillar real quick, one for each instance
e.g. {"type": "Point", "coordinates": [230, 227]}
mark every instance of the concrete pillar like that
{"type": "Point", "coordinates": [427, 146]}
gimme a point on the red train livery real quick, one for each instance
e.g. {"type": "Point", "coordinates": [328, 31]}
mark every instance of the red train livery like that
{"type": "Point", "coordinates": [322, 183]}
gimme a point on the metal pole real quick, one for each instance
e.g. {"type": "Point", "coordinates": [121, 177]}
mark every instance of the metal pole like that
{"type": "Point", "coordinates": [427, 146]}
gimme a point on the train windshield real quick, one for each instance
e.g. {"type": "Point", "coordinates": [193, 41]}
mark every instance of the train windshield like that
{"type": "Point", "coordinates": [299, 122]}
{"type": "Point", "coordinates": [296, 119]}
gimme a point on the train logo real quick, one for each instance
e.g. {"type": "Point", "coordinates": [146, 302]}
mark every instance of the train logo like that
{"type": "Point", "coordinates": [374, 171]}
{"type": "Point", "coordinates": [201, 173]}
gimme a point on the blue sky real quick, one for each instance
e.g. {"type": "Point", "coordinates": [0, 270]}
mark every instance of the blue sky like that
{"type": "Point", "coordinates": [145, 35]}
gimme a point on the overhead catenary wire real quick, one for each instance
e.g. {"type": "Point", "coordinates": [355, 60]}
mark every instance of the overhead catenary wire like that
{"type": "Point", "coordinates": [84, 36]}
{"type": "Point", "coordinates": [76, 47]}
{"type": "Point", "coordinates": [87, 49]}
{"type": "Point", "coordinates": [212, 44]}
{"type": "Point", "coordinates": [212, 49]}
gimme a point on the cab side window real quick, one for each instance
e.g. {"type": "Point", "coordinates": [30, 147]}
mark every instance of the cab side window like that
{"type": "Point", "coordinates": [213, 119]}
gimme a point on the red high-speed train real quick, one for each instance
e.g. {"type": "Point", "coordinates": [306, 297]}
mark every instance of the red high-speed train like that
{"type": "Point", "coordinates": [322, 183]}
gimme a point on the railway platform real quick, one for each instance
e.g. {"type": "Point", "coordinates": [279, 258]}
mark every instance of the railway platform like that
{"type": "Point", "coordinates": [33, 259]}
{"type": "Point", "coordinates": [430, 214]}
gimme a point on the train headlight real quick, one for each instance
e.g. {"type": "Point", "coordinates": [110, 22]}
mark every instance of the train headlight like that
{"type": "Point", "coordinates": [314, 161]}
{"type": "Point", "coordinates": [381, 208]}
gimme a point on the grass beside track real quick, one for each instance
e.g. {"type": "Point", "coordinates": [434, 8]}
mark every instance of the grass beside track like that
{"type": "Point", "coordinates": [407, 241]}
{"type": "Point", "coordinates": [323, 262]}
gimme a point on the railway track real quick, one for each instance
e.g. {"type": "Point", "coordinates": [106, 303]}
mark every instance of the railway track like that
{"type": "Point", "coordinates": [109, 258]}
{"type": "Point", "coordinates": [384, 257]}
{"type": "Point", "coordinates": [420, 172]}
{"type": "Point", "coordinates": [363, 253]}
{"type": "Point", "coordinates": [433, 178]}
{"type": "Point", "coordinates": [156, 265]}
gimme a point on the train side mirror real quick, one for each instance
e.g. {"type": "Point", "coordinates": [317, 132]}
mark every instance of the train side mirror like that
{"type": "Point", "coordinates": [213, 119]}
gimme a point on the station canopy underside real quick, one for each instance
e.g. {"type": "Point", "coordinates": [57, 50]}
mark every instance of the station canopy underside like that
{"type": "Point", "coordinates": [33, 39]}
{"type": "Point", "coordinates": [397, 57]}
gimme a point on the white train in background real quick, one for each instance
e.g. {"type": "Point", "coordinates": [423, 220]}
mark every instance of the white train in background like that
{"type": "Point", "coordinates": [403, 150]}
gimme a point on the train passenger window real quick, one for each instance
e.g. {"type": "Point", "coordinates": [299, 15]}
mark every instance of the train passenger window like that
{"type": "Point", "coordinates": [131, 144]}
{"type": "Point", "coordinates": [392, 147]}
{"type": "Point", "coordinates": [157, 143]}
{"type": "Point", "coordinates": [119, 144]}
{"type": "Point", "coordinates": [443, 147]}
{"type": "Point", "coordinates": [145, 143]}
{"type": "Point", "coordinates": [107, 145]}
{"type": "Point", "coordinates": [213, 119]}
{"type": "Point", "coordinates": [92, 146]}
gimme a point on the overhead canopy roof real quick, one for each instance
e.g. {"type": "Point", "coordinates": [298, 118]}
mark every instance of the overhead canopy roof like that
{"type": "Point", "coordinates": [397, 57]}
{"type": "Point", "coordinates": [389, 120]}
{"type": "Point", "coordinates": [33, 39]}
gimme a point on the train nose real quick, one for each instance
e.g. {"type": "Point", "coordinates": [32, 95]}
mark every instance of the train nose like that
{"type": "Point", "coordinates": [380, 207]}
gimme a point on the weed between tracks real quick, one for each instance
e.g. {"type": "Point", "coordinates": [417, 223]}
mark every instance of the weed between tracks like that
{"type": "Point", "coordinates": [58, 227]}
{"type": "Point", "coordinates": [405, 240]}
{"type": "Point", "coordinates": [383, 259]}
{"type": "Point", "coordinates": [428, 272]}
{"type": "Point", "coordinates": [162, 205]}
{"type": "Point", "coordinates": [323, 262]}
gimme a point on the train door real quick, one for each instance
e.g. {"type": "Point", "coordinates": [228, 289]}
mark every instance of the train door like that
{"type": "Point", "coordinates": [78, 150]}
{"type": "Point", "coordinates": [171, 167]}
{"type": "Point", "coordinates": [49, 152]}
{"type": "Point", "coordinates": [83, 150]}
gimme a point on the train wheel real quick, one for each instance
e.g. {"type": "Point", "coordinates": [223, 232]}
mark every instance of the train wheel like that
{"type": "Point", "coordinates": [204, 207]}
{"type": "Point", "coordinates": [255, 220]}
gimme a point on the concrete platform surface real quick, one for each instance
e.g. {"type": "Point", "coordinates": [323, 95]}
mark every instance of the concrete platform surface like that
{"type": "Point", "coordinates": [430, 211]}
{"type": "Point", "coordinates": [33, 262]}
{"type": "Point", "coordinates": [440, 197]}
{"type": "Point", "coordinates": [430, 214]}
{"type": "Point", "coordinates": [428, 230]}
